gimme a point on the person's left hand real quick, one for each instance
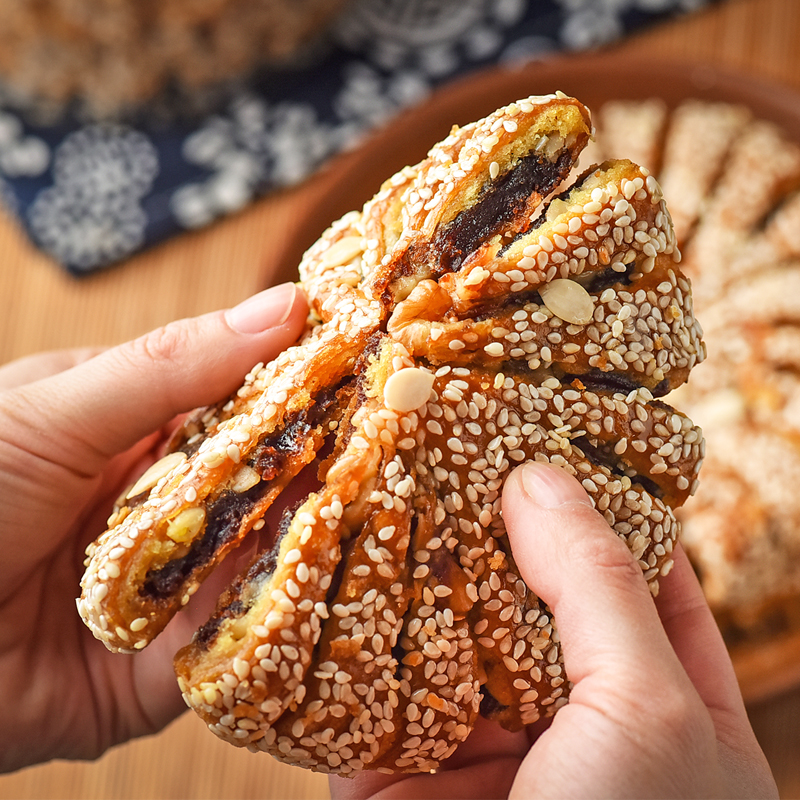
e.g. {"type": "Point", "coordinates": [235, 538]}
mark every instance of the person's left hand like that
{"type": "Point", "coordinates": [75, 429]}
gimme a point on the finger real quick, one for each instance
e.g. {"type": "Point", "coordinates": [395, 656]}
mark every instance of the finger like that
{"type": "Point", "coordinates": [695, 637]}
{"type": "Point", "coordinates": [630, 693]}
{"type": "Point", "coordinates": [698, 643]}
{"type": "Point", "coordinates": [570, 557]}
{"type": "Point", "coordinates": [106, 404]}
{"type": "Point", "coordinates": [481, 780]}
{"type": "Point", "coordinates": [42, 365]}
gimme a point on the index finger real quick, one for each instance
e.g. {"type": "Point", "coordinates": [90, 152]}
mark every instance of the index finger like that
{"type": "Point", "coordinates": [105, 405]}
{"type": "Point", "coordinates": [693, 632]}
{"type": "Point", "coordinates": [696, 639]}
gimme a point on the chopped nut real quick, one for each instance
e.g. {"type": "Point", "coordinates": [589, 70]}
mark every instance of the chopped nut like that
{"type": "Point", "coordinates": [245, 478]}
{"type": "Point", "coordinates": [343, 251]}
{"type": "Point", "coordinates": [186, 525]}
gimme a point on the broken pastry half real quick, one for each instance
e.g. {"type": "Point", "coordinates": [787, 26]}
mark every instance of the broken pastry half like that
{"type": "Point", "coordinates": [477, 313]}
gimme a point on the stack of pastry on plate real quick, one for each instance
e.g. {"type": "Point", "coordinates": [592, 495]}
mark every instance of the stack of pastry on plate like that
{"type": "Point", "coordinates": [112, 54]}
{"type": "Point", "coordinates": [731, 182]}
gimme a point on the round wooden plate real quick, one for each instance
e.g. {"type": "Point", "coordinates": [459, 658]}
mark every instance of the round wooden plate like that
{"type": "Point", "coordinates": [349, 180]}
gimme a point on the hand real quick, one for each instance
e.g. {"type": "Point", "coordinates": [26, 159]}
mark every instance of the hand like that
{"type": "Point", "coordinates": [655, 710]}
{"type": "Point", "coordinates": [76, 428]}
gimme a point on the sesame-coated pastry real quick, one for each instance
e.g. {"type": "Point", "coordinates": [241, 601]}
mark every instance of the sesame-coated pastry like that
{"type": "Point", "coordinates": [732, 181]}
{"type": "Point", "coordinates": [742, 528]}
{"type": "Point", "coordinates": [474, 315]}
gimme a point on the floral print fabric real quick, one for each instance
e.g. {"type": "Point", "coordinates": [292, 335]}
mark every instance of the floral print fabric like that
{"type": "Point", "coordinates": [91, 193]}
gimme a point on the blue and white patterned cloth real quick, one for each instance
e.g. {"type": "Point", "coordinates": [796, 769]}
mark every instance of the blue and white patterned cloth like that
{"type": "Point", "coordinates": [90, 194]}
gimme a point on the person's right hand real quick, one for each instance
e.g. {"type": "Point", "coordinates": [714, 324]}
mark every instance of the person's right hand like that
{"type": "Point", "coordinates": [655, 710]}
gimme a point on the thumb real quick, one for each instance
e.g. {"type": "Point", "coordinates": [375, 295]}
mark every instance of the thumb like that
{"type": "Point", "coordinates": [586, 574]}
{"type": "Point", "coordinates": [86, 414]}
{"type": "Point", "coordinates": [630, 693]}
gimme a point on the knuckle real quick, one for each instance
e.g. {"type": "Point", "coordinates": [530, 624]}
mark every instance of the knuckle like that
{"type": "Point", "coordinates": [608, 551]}
{"type": "Point", "coordinates": [682, 716]}
{"type": "Point", "coordinates": [160, 346]}
{"type": "Point", "coordinates": [619, 561]}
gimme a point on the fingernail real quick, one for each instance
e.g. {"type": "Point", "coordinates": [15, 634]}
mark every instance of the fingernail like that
{"type": "Point", "coordinates": [550, 486]}
{"type": "Point", "coordinates": [267, 309]}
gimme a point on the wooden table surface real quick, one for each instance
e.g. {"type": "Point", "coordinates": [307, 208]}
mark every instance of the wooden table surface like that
{"type": "Point", "coordinates": [41, 307]}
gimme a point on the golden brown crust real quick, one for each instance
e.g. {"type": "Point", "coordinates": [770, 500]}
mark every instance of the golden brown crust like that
{"type": "Point", "coordinates": [389, 612]}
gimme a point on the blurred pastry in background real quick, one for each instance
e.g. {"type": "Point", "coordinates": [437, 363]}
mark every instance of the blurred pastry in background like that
{"type": "Point", "coordinates": [731, 182]}
{"type": "Point", "coordinates": [110, 55]}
